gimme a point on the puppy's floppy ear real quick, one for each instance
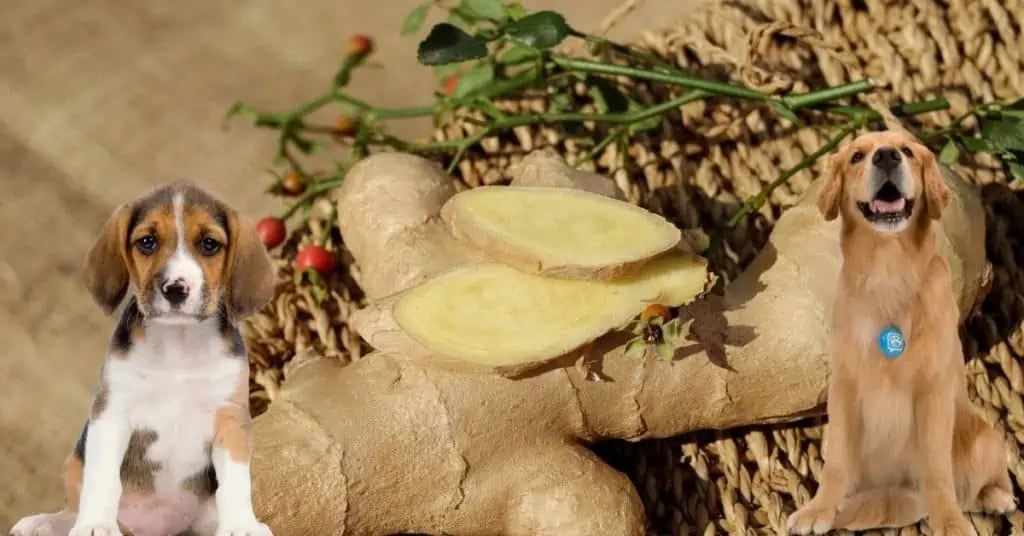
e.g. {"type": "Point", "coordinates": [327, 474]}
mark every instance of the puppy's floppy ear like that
{"type": "Point", "coordinates": [251, 274]}
{"type": "Point", "coordinates": [936, 192]}
{"type": "Point", "coordinates": [106, 269]}
{"type": "Point", "coordinates": [831, 194]}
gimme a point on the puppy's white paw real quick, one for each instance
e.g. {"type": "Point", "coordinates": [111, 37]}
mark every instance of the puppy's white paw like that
{"type": "Point", "coordinates": [53, 524]}
{"type": "Point", "coordinates": [253, 528]}
{"type": "Point", "coordinates": [813, 518]}
{"type": "Point", "coordinates": [96, 529]}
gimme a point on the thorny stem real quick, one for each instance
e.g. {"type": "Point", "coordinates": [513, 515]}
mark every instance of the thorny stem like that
{"type": "Point", "coordinates": [328, 225]}
{"type": "Point", "coordinates": [319, 187]}
{"type": "Point", "coordinates": [956, 123]}
{"type": "Point", "coordinates": [549, 67]}
{"type": "Point", "coordinates": [756, 202]}
{"type": "Point", "coordinates": [860, 118]}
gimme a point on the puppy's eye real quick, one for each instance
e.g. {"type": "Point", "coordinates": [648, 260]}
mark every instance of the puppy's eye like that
{"type": "Point", "coordinates": [209, 246]}
{"type": "Point", "coordinates": [906, 150]}
{"type": "Point", "coordinates": [857, 157]}
{"type": "Point", "coordinates": [146, 245]}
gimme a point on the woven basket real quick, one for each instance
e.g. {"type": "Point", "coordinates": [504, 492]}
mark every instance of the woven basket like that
{"type": "Point", "coordinates": [696, 170]}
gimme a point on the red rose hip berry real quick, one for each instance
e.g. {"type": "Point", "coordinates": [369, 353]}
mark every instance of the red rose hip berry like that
{"type": "Point", "coordinates": [315, 257]}
{"type": "Point", "coordinates": [345, 126]}
{"type": "Point", "coordinates": [292, 184]}
{"type": "Point", "coordinates": [449, 83]}
{"type": "Point", "coordinates": [655, 310]}
{"type": "Point", "coordinates": [271, 231]}
{"type": "Point", "coordinates": [360, 45]}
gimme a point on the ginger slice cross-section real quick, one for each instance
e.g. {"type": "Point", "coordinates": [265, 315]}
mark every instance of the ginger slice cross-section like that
{"type": "Point", "coordinates": [493, 315]}
{"type": "Point", "coordinates": [558, 232]}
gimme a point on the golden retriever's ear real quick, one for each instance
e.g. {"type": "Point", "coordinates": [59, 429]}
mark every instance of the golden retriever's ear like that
{"type": "Point", "coordinates": [106, 271]}
{"type": "Point", "coordinates": [251, 274]}
{"type": "Point", "coordinates": [936, 192]}
{"type": "Point", "coordinates": [831, 194]}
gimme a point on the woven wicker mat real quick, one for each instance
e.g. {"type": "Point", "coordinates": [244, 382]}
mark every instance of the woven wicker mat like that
{"type": "Point", "coordinates": [698, 168]}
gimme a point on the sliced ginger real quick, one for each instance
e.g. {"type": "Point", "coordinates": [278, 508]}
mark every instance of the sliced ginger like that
{"type": "Point", "coordinates": [558, 232]}
{"type": "Point", "coordinates": [494, 315]}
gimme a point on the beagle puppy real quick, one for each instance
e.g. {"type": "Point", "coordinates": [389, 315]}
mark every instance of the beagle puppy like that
{"type": "Point", "coordinates": [904, 440]}
{"type": "Point", "coordinates": [166, 446]}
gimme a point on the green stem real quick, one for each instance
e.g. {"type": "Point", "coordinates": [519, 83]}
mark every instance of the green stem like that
{"type": "Point", "coordinates": [331, 219]}
{"type": "Point", "coordinates": [605, 142]}
{"type": "Point", "coordinates": [629, 51]}
{"type": "Point", "coordinates": [812, 98]}
{"type": "Point", "coordinates": [625, 119]}
{"type": "Point", "coordinates": [953, 126]}
{"type": "Point", "coordinates": [677, 79]}
{"type": "Point", "coordinates": [899, 110]}
{"type": "Point", "coordinates": [314, 191]}
{"type": "Point", "coordinates": [760, 199]}
{"type": "Point", "coordinates": [908, 109]}
{"type": "Point", "coordinates": [755, 202]}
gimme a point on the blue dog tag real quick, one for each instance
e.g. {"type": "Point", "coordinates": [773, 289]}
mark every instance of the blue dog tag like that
{"type": "Point", "coordinates": [891, 342]}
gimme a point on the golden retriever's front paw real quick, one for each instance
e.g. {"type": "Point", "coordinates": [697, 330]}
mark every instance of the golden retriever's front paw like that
{"type": "Point", "coordinates": [813, 518]}
{"type": "Point", "coordinates": [952, 525]}
{"type": "Point", "coordinates": [996, 499]}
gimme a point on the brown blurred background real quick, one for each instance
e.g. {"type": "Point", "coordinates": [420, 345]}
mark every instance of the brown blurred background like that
{"type": "Point", "coordinates": [102, 100]}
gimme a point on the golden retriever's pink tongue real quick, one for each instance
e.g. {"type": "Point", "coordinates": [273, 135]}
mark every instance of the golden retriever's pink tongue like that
{"type": "Point", "coordinates": [880, 206]}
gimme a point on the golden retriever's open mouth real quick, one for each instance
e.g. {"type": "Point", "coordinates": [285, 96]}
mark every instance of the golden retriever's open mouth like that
{"type": "Point", "coordinates": [888, 208]}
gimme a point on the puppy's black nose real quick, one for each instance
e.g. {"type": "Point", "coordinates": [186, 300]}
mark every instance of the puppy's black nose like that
{"type": "Point", "coordinates": [886, 158]}
{"type": "Point", "coordinates": [175, 292]}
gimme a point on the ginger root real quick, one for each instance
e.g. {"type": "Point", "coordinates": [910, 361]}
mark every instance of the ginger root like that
{"type": "Point", "coordinates": [393, 444]}
{"type": "Point", "coordinates": [559, 232]}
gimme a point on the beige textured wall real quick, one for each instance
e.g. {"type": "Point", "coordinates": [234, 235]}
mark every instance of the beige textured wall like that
{"type": "Point", "coordinates": [102, 100]}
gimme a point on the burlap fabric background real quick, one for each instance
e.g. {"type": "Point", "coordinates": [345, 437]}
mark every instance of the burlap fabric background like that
{"type": "Point", "coordinates": [700, 166]}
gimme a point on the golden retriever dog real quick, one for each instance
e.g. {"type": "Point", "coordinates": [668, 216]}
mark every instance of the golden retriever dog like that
{"type": "Point", "coordinates": [904, 441]}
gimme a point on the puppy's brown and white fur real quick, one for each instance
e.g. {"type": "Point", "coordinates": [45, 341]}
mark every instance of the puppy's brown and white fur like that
{"type": "Point", "coordinates": [904, 440]}
{"type": "Point", "coordinates": [166, 447]}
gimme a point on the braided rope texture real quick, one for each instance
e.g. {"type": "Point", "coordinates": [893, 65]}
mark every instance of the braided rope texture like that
{"type": "Point", "coordinates": [696, 169]}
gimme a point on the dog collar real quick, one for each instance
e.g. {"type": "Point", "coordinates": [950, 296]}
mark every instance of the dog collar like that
{"type": "Point", "coordinates": [891, 342]}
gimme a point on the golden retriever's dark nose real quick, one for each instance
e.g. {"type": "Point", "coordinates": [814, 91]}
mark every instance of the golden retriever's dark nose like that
{"type": "Point", "coordinates": [886, 158]}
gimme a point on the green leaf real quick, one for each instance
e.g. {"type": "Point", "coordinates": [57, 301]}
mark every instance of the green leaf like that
{"type": "Point", "coordinates": [559, 102]}
{"type": "Point", "coordinates": [515, 10]}
{"type": "Point", "coordinates": [950, 153]}
{"type": "Point", "coordinates": [784, 111]}
{"type": "Point", "coordinates": [488, 9]}
{"type": "Point", "coordinates": [644, 125]}
{"type": "Point", "coordinates": [976, 145]}
{"type": "Point", "coordinates": [635, 346]}
{"type": "Point", "coordinates": [449, 44]}
{"type": "Point", "coordinates": [474, 78]}
{"type": "Point", "coordinates": [444, 71]}
{"type": "Point", "coordinates": [456, 18]}
{"type": "Point", "coordinates": [242, 109]}
{"type": "Point", "coordinates": [517, 53]}
{"type": "Point", "coordinates": [1016, 169]}
{"type": "Point", "coordinates": [666, 351]}
{"type": "Point", "coordinates": [488, 108]}
{"type": "Point", "coordinates": [319, 293]}
{"type": "Point", "coordinates": [1004, 133]}
{"type": "Point", "coordinates": [542, 30]}
{"type": "Point", "coordinates": [414, 20]}
{"type": "Point", "coordinates": [608, 98]}
{"type": "Point", "coordinates": [671, 329]}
